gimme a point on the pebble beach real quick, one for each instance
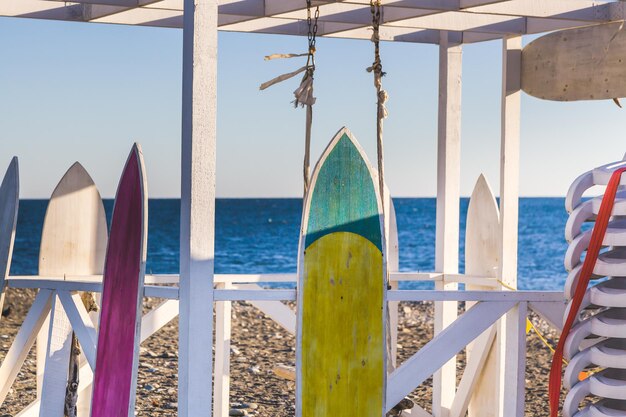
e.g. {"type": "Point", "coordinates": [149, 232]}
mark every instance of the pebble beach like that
{"type": "Point", "coordinates": [259, 347]}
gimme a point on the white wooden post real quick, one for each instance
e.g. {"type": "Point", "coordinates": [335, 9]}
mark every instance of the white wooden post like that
{"type": "Point", "coordinates": [509, 195]}
{"type": "Point", "coordinates": [515, 365]}
{"type": "Point", "coordinates": [448, 195]}
{"type": "Point", "coordinates": [197, 226]}
{"type": "Point", "coordinates": [223, 314]}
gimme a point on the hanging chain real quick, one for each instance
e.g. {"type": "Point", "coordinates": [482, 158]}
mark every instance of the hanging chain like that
{"type": "Point", "coordinates": [312, 34]}
{"type": "Point", "coordinates": [381, 95]}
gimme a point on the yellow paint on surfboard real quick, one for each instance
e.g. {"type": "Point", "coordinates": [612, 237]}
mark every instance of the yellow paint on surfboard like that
{"type": "Point", "coordinates": [342, 335]}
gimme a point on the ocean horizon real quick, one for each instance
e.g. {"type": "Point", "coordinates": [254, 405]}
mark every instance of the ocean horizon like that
{"type": "Point", "coordinates": [260, 235]}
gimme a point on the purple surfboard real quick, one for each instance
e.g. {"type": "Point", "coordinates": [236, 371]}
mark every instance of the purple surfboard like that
{"type": "Point", "coordinates": [120, 317]}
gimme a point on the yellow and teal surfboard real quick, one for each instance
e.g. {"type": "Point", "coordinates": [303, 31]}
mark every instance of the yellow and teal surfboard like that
{"type": "Point", "coordinates": [341, 353]}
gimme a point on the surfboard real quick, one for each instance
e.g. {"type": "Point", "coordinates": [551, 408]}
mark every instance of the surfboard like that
{"type": "Point", "coordinates": [341, 342]}
{"type": "Point", "coordinates": [9, 203]}
{"type": "Point", "coordinates": [577, 64]}
{"type": "Point", "coordinates": [117, 352]}
{"type": "Point", "coordinates": [482, 252]}
{"type": "Point", "coordinates": [73, 243]}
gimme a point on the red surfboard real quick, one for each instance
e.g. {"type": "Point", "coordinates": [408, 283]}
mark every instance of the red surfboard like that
{"type": "Point", "coordinates": [120, 317]}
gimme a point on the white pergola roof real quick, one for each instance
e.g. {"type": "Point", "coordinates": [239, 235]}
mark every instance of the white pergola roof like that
{"type": "Point", "coordinates": [418, 21]}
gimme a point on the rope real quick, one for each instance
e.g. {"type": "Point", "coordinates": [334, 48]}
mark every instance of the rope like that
{"type": "Point", "coordinates": [381, 95]}
{"type": "Point", "coordinates": [597, 236]}
{"type": "Point", "coordinates": [71, 390]}
{"type": "Point", "coordinates": [304, 93]}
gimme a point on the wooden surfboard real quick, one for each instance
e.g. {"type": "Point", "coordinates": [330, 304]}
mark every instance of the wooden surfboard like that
{"type": "Point", "coordinates": [73, 243]}
{"type": "Point", "coordinates": [9, 203]}
{"type": "Point", "coordinates": [482, 253]}
{"type": "Point", "coordinates": [120, 317]}
{"type": "Point", "coordinates": [341, 342]}
{"type": "Point", "coordinates": [577, 64]}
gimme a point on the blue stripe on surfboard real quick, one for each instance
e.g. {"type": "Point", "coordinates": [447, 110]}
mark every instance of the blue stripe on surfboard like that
{"type": "Point", "coordinates": [344, 197]}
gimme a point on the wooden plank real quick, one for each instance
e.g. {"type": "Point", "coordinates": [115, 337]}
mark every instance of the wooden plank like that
{"type": "Point", "coordinates": [197, 218]}
{"type": "Point", "coordinates": [516, 296]}
{"type": "Point", "coordinates": [448, 200]}
{"type": "Point", "coordinates": [473, 373]}
{"type": "Point", "coordinates": [444, 346]}
{"type": "Point", "coordinates": [151, 323]}
{"type": "Point", "coordinates": [509, 189]}
{"type": "Point", "coordinates": [341, 339]}
{"type": "Point", "coordinates": [551, 312]}
{"type": "Point", "coordinates": [81, 323]}
{"type": "Point", "coordinates": [73, 242]}
{"type": "Point", "coordinates": [282, 315]}
{"type": "Point", "coordinates": [57, 362]}
{"type": "Point", "coordinates": [221, 400]}
{"type": "Point", "coordinates": [120, 316]}
{"type": "Point", "coordinates": [9, 204]}
{"type": "Point", "coordinates": [482, 252]}
{"type": "Point", "coordinates": [393, 264]}
{"type": "Point", "coordinates": [24, 341]}
{"type": "Point", "coordinates": [514, 373]}
{"type": "Point", "coordinates": [577, 64]}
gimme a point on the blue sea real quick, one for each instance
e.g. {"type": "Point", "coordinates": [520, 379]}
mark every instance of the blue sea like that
{"type": "Point", "coordinates": [261, 236]}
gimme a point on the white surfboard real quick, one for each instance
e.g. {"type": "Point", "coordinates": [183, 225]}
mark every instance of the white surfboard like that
{"type": "Point", "coordinates": [9, 203]}
{"type": "Point", "coordinates": [73, 243]}
{"type": "Point", "coordinates": [482, 249]}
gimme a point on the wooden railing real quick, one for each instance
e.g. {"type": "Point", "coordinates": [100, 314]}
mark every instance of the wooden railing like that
{"type": "Point", "coordinates": [477, 324]}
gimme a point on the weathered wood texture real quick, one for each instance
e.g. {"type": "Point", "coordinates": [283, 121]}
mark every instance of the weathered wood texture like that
{"type": "Point", "coordinates": [577, 64]}
{"type": "Point", "coordinates": [9, 203]}
{"type": "Point", "coordinates": [509, 207]}
{"type": "Point", "coordinates": [197, 207]}
{"type": "Point", "coordinates": [120, 318]}
{"type": "Point", "coordinates": [341, 341]}
{"type": "Point", "coordinates": [73, 243]}
{"type": "Point", "coordinates": [482, 252]}
{"type": "Point", "coordinates": [448, 200]}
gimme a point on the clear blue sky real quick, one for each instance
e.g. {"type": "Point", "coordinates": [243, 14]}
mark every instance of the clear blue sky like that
{"type": "Point", "coordinates": [71, 91]}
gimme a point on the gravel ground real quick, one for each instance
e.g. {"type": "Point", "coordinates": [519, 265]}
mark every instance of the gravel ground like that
{"type": "Point", "coordinates": [257, 346]}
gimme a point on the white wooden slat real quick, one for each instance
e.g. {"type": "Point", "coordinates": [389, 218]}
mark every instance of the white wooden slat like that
{"type": "Point", "coordinates": [515, 296]}
{"type": "Point", "coordinates": [158, 317]}
{"type": "Point", "coordinates": [551, 312]}
{"type": "Point", "coordinates": [17, 280]}
{"type": "Point", "coordinates": [254, 295]}
{"type": "Point", "coordinates": [82, 325]}
{"type": "Point", "coordinates": [197, 225]}
{"type": "Point", "coordinates": [221, 401]}
{"type": "Point", "coordinates": [24, 341]}
{"type": "Point", "coordinates": [151, 322]}
{"type": "Point", "coordinates": [444, 346]}
{"type": "Point", "coordinates": [472, 372]}
{"type": "Point", "coordinates": [285, 17]}
{"type": "Point", "coordinates": [514, 373]}
{"type": "Point", "coordinates": [482, 253]}
{"type": "Point", "coordinates": [448, 201]}
{"type": "Point", "coordinates": [57, 362]}
{"type": "Point", "coordinates": [509, 194]}
{"type": "Point", "coordinates": [149, 290]}
{"type": "Point", "coordinates": [277, 311]}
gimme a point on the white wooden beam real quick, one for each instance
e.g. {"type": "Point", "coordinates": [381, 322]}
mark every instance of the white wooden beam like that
{"type": "Point", "coordinates": [24, 341]}
{"type": "Point", "coordinates": [472, 372]}
{"type": "Point", "coordinates": [223, 312]}
{"type": "Point", "coordinates": [514, 372]}
{"type": "Point", "coordinates": [444, 346]}
{"type": "Point", "coordinates": [509, 195]}
{"type": "Point", "coordinates": [58, 351]}
{"type": "Point", "coordinates": [448, 200]}
{"type": "Point", "coordinates": [197, 234]}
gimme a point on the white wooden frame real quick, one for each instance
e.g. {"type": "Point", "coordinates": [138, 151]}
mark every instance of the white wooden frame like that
{"type": "Point", "coordinates": [403, 20]}
{"type": "Point", "coordinates": [490, 306]}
